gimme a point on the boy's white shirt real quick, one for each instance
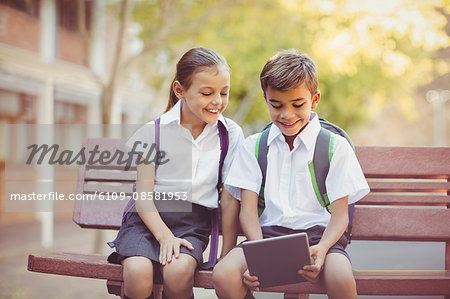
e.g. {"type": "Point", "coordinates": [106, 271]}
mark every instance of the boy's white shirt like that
{"type": "Point", "coordinates": [290, 200]}
{"type": "Point", "coordinates": [201, 175]}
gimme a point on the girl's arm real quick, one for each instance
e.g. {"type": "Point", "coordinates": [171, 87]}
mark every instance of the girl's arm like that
{"type": "Point", "coordinates": [169, 245]}
{"type": "Point", "coordinates": [229, 207]}
{"type": "Point", "coordinates": [248, 216]}
{"type": "Point", "coordinates": [334, 230]}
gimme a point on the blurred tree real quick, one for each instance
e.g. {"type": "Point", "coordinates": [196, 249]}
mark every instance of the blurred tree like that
{"type": "Point", "coordinates": [367, 52]}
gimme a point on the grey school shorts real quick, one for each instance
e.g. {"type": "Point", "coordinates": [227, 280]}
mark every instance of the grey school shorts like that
{"type": "Point", "coordinates": [314, 235]}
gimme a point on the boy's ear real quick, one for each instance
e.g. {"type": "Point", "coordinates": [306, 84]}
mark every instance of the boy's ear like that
{"type": "Point", "coordinates": [315, 99]}
{"type": "Point", "coordinates": [178, 89]}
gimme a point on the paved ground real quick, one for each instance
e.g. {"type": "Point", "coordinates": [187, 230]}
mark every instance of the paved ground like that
{"type": "Point", "coordinates": [17, 241]}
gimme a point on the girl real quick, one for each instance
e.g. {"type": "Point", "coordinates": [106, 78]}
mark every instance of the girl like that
{"type": "Point", "coordinates": [174, 241]}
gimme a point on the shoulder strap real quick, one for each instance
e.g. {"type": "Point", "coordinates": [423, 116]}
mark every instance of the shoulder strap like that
{"type": "Point", "coordinates": [320, 165]}
{"type": "Point", "coordinates": [215, 217]}
{"type": "Point", "coordinates": [224, 142]}
{"type": "Point", "coordinates": [261, 151]}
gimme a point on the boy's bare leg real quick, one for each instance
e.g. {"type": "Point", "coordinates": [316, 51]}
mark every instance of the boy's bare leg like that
{"type": "Point", "coordinates": [338, 277]}
{"type": "Point", "coordinates": [227, 275]}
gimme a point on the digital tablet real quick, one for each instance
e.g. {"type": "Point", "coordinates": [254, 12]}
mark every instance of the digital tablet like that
{"type": "Point", "coordinates": [276, 260]}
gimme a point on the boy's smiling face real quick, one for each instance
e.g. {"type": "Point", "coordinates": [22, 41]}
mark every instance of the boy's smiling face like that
{"type": "Point", "coordinates": [290, 110]}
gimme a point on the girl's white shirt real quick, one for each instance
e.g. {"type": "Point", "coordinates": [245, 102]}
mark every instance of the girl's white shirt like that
{"type": "Point", "coordinates": [192, 164]}
{"type": "Point", "coordinates": [290, 200]}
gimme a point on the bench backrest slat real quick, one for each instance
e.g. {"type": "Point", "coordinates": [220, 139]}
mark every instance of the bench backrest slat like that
{"type": "Point", "coordinates": [401, 162]}
{"type": "Point", "coordinates": [406, 200]}
{"type": "Point", "coordinates": [401, 223]}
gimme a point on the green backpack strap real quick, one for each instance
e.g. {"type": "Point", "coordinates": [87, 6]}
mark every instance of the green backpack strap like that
{"type": "Point", "coordinates": [320, 165]}
{"type": "Point", "coordinates": [261, 150]}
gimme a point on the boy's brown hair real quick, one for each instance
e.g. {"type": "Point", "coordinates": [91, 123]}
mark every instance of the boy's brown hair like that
{"type": "Point", "coordinates": [287, 69]}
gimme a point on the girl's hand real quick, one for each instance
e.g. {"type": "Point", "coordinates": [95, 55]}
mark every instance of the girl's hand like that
{"type": "Point", "coordinates": [311, 272]}
{"type": "Point", "coordinates": [170, 246]}
{"type": "Point", "coordinates": [251, 281]}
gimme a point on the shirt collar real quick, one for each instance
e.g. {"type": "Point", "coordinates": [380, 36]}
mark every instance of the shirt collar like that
{"type": "Point", "coordinates": [308, 136]}
{"type": "Point", "coordinates": [174, 115]}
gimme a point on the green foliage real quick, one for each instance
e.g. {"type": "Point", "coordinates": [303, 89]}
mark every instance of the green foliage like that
{"type": "Point", "coordinates": [367, 53]}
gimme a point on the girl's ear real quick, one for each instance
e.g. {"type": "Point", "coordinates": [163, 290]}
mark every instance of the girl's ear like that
{"type": "Point", "coordinates": [178, 89]}
{"type": "Point", "coordinates": [315, 100]}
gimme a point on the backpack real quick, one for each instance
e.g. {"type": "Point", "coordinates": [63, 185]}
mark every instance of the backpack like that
{"type": "Point", "coordinates": [215, 217]}
{"type": "Point", "coordinates": [318, 168]}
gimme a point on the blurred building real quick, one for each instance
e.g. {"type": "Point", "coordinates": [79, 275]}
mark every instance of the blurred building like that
{"type": "Point", "coordinates": [55, 56]}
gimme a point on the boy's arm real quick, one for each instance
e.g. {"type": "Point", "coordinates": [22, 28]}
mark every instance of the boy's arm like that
{"type": "Point", "coordinates": [229, 207]}
{"type": "Point", "coordinates": [248, 216]}
{"type": "Point", "coordinates": [334, 230]}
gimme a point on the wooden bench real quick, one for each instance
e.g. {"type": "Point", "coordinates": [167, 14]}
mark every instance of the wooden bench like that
{"type": "Point", "coordinates": [409, 201]}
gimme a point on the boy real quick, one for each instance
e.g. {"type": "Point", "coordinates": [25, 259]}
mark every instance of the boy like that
{"type": "Point", "coordinates": [289, 83]}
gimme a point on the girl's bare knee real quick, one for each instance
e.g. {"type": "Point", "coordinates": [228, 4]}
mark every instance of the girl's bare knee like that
{"type": "Point", "coordinates": [138, 277]}
{"type": "Point", "coordinates": [179, 274]}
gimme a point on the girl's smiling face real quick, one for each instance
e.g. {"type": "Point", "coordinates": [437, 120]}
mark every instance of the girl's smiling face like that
{"type": "Point", "coordinates": [290, 110]}
{"type": "Point", "coordinates": [206, 97]}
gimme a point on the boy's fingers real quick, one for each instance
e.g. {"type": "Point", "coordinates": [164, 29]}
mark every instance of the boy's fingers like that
{"type": "Point", "coordinates": [251, 284]}
{"type": "Point", "coordinates": [250, 277]}
{"type": "Point", "coordinates": [310, 276]}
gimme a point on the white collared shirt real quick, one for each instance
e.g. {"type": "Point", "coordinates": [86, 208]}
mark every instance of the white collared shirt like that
{"type": "Point", "coordinates": [290, 200]}
{"type": "Point", "coordinates": [193, 163]}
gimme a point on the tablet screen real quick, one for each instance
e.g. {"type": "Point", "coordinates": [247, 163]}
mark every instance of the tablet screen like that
{"type": "Point", "coordinates": [276, 260]}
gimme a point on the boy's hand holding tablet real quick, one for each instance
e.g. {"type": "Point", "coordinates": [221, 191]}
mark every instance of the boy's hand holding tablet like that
{"type": "Point", "coordinates": [278, 260]}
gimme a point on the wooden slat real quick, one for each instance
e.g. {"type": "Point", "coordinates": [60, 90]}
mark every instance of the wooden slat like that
{"type": "Point", "coordinates": [97, 175]}
{"type": "Point", "coordinates": [127, 188]}
{"type": "Point", "coordinates": [401, 199]}
{"type": "Point", "coordinates": [403, 282]}
{"type": "Point", "coordinates": [112, 146]}
{"type": "Point", "coordinates": [386, 282]}
{"type": "Point", "coordinates": [99, 220]}
{"type": "Point", "coordinates": [411, 162]}
{"type": "Point", "coordinates": [401, 224]}
{"type": "Point", "coordinates": [431, 186]}
{"type": "Point", "coordinates": [99, 214]}
{"type": "Point", "coordinates": [72, 264]}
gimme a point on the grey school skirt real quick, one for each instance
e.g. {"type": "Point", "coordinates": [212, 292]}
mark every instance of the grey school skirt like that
{"type": "Point", "coordinates": [135, 239]}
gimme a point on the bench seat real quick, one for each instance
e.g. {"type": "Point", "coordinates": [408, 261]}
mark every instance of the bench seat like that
{"type": "Point", "coordinates": [375, 282]}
